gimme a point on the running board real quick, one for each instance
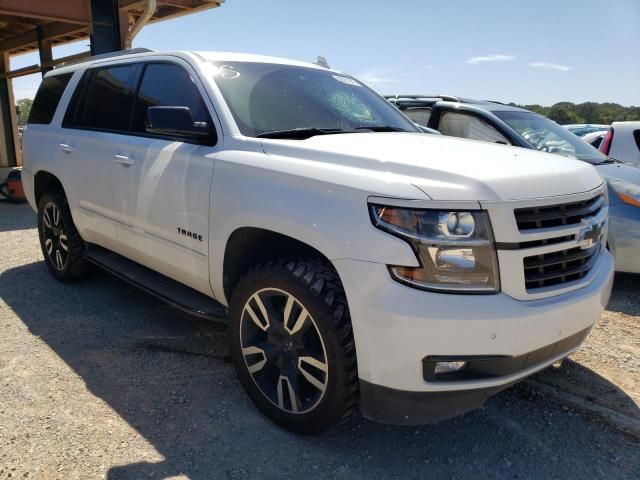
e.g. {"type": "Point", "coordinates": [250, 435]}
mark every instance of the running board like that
{"type": "Point", "coordinates": [175, 293]}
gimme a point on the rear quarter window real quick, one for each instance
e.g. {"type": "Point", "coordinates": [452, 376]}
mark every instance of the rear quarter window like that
{"type": "Point", "coordinates": [636, 137]}
{"type": "Point", "coordinates": [47, 98]}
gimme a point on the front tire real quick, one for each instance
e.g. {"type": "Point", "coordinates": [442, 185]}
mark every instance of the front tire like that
{"type": "Point", "coordinates": [292, 344]}
{"type": "Point", "coordinates": [60, 241]}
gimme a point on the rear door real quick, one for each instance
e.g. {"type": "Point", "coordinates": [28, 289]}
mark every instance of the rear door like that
{"type": "Point", "coordinates": [96, 118]}
{"type": "Point", "coordinates": [161, 185]}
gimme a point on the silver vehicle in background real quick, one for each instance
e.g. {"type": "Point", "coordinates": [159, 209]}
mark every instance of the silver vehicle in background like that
{"type": "Point", "coordinates": [498, 123]}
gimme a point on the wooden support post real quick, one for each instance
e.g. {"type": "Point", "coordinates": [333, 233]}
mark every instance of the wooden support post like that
{"type": "Point", "coordinates": [45, 50]}
{"type": "Point", "coordinates": [10, 155]}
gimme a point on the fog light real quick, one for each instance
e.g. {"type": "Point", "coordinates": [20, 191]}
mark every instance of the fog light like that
{"type": "Point", "coordinates": [448, 367]}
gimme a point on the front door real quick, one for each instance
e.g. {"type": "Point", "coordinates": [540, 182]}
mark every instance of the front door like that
{"type": "Point", "coordinates": [161, 185]}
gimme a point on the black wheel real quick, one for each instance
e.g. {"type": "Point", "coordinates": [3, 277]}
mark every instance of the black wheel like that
{"type": "Point", "coordinates": [61, 244]}
{"type": "Point", "coordinates": [292, 344]}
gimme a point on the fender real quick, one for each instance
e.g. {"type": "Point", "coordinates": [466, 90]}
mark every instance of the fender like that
{"type": "Point", "coordinates": [252, 189]}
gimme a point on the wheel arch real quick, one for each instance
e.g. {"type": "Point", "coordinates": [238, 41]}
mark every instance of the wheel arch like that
{"type": "Point", "coordinates": [45, 181]}
{"type": "Point", "coordinates": [250, 246]}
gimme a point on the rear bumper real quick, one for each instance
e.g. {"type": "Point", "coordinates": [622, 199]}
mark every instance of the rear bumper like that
{"type": "Point", "coordinates": [28, 187]}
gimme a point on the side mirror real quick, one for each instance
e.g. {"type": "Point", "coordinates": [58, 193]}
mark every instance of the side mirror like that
{"type": "Point", "coordinates": [176, 121]}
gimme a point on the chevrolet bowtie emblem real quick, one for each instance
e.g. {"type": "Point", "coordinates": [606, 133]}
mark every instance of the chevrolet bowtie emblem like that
{"type": "Point", "coordinates": [590, 235]}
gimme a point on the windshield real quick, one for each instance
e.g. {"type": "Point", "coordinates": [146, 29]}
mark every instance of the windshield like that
{"type": "Point", "coordinates": [548, 136]}
{"type": "Point", "coordinates": [265, 97]}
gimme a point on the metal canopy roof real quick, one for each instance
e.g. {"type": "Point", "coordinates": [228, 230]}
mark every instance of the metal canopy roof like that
{"type": "Point", "coordinates": [63, 21]}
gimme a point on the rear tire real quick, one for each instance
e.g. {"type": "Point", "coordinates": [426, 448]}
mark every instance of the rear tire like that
{"type": "Point", "coordinates": [61, 244]}
{"type": "Point", "coordinates": [292, 344]}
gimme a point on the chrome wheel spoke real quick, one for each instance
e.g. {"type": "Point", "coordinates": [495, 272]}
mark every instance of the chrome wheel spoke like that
{"type": "Point", "coordinates": [285, 392]}
{"type": "Point", "coordinates": [56, 215]}
{"type": "Point", "coordinates": [299, 323]}
{"type": "Point", "coordinates": [251, 352]}
{"type": "Point", "coordinates": [46, 219]}
{"type": "Point", "coordinates": [59, 261]}
{"type": "Point", "coordinates": [48, 243]}
{"type": "Point", "coordinates": [310, 374]}
{"type": "Point", "coordinates": [261, 319]}
{"type": "Point", "coordinates": [63, 242]}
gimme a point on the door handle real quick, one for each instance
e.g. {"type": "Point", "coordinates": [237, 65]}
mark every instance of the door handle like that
{"type": "Point", "coordinates": [66, 148]}
{"type": "Point", "coordinates": [123, 160]}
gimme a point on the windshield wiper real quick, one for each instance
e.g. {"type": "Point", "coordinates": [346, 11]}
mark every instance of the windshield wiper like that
{"type": "Point", "coordinates": [300, 133]}
{"type": "Point", "coordinates": [612, 160]}
{"type": "Point", "coordinates": [380, 128]}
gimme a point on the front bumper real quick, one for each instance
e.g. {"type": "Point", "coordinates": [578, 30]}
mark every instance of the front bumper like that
{"type": "Point", "coordinates": [624, 236]}
{"type": "Point", "coordinates": [396, 327]}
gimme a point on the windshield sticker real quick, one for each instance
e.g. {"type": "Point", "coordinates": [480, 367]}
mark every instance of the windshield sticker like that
{"type": "Point", "coordinates": [227, 71]}
{"type": "Point", "coordinates": [347, 80]}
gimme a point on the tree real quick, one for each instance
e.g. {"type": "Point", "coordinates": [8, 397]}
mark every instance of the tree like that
{"type": "Point", "coordinates": [587, 112]}
{"type": "Point", "coordinates": [24, 107]}
{"type": "Point", "coordinates": [564, 114]}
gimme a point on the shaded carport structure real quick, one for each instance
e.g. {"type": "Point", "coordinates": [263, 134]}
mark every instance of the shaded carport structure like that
{"type": "Point", "coordinates": [39, 25]}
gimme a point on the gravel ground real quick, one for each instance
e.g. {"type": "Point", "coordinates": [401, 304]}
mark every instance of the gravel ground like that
{"type": "Point", "coordinates": [99, 380]}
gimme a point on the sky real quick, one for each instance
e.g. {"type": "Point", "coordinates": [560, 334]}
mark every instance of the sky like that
{"type": "Point", "coordinates": [525, 52]}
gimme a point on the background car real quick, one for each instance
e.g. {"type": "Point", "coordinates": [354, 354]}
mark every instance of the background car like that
{"type": "Point", "coordinates": [623, 142]}
{"type": "Point", "coordinates": [498, 123]}
{"type": "Point", "coordinates": [595, 138]}
{"type": "Point", "coordinates": [582, 129]}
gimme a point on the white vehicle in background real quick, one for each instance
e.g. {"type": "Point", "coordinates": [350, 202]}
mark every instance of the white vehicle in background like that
{"type": "Point", "coordinates": [622, 142]}
{"type": "Point", "coordinates": [360, 264]}
{"type": "Point", "coordinates": [595, 138]}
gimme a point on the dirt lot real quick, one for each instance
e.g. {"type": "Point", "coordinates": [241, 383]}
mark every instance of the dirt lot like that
{"type": "Point", "coordinates": [98, 380]}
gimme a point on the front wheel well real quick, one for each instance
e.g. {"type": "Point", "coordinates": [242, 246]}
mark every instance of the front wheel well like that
{"type": "Point", "coordinates": [250, 246]}
{"type": "Point", "coordinates": [46, 182]}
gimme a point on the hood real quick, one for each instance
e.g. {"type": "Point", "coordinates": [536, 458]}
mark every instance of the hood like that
{"type": "Point", "coordinates": [446, 168]}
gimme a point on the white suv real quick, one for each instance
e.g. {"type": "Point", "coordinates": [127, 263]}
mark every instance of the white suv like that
{"type": "Point", "coordinates": [360, 264]}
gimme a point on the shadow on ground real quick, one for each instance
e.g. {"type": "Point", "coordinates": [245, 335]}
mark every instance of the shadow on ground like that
{"type": "Point", "coordinates": [16, 217]}
{"type": "Point", "coordinates": [168, 376]}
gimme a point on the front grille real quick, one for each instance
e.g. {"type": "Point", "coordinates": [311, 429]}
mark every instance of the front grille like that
{"type": "Point", "coordinates": [559, 267]}
{"type": "Point", "coordinates": [558, 215]}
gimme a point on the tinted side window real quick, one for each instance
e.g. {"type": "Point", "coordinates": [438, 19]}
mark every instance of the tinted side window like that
{"type": "Point", "coordinates": [467, 126]}
{"type": "Point", "coordinates": [418, 115]}
{"type": "Point", "coordinates": [109, 98]}
{"type": "Point", "coordinates": [48, 97]}
{"type": "Point", "coordinates": [636, 136]}
{"type": "Point", "coordinates": [75, 110]}
{"type": "Point", "coordinates": [166, 85]}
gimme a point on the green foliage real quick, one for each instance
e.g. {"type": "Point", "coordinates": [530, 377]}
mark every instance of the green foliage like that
{"type": "Point", "coordinates": [24, 107]}
{"type": "Point", "coordinates": [587, 112]}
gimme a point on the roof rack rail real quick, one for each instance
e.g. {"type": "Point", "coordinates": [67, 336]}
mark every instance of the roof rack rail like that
{"type": "Point", "coordinates": [448, 98]}
{"type": "Point", "coordinates": [101, 56]}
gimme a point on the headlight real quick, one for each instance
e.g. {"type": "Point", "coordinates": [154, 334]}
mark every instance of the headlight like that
{"type": "Point", "coordinates": [455, 249]}
{"type": "Point", "coordinates": [626, 192]}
